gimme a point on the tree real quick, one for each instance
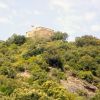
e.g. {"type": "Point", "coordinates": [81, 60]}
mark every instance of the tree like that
{"type": "Point", "coordinates": [87, 63]}
{"type": "Point", "coordinates": [59, 36]}
{"type": "Point", "coordinates": [87, 40]}
{"type": "Point", "coordinates": [16, 39]}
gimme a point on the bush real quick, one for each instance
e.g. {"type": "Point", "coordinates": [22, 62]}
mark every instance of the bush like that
{"type": "Point", "coordinates": [29, 94]}
{"type": "Point", "coordinates": [59, 36]}
{"type": "Point", "coordinates": [33, 52]}
{"type": "Point", "coordinates": [82, 93]}
{"type": "Point", "coordinates": [20, 68]}
{"type": "Point", "coordinates": [87, 63]}
{"type": "Point", "coordinates": [67, 67]}
{"type": "Point", "coordinates": [42, 63]}
{"type": "Point", "coordinates": [96, 97]}
{"type": "Point", "coordinates": [87, 40]}
{"type": "Point", "coordinates": [7, 86]}
{"type": "Point", "coordinates": [58, 74]}
{"type": "Point", "coordinates": [57, 92]}
{"type": "Point", "coordinates": [7, 71]}
{"type": "Point", "coordinates": [86, 75]}
{"type": "Point", "coordinates": [98, 72]}
{"type": "Point", "coordinates": [16, 39]}
{"type": "Point", "coordinates": [39, 75]}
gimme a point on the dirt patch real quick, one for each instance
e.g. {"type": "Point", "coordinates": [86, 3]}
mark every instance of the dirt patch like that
{"type": "Point", "coordinates": [25, 74]}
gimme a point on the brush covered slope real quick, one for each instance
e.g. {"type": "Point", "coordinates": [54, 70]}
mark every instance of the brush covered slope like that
{"type": "Point", "coordinates": [54, 69]}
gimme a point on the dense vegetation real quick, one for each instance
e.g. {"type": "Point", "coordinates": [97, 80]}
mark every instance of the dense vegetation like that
{"type": "Point", "coordinates": [31, 69]}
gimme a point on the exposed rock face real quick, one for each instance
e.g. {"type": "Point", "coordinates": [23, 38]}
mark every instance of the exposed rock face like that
{"type": "Point", "coordinates": [74, 84]}
{"type": "Point", "coordinates": [40, 32]}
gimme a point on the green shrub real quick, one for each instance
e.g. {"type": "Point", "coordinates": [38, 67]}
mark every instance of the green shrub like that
{"type": "Point", "coordinates": [16, 39]}
{"type": "Point", "coordinates": [33, 52]}
{"type": "Point", "coordinates": [86, 75]}
{"type": "Point", "coordinates": [96, 97]}
{"type": "Point", "coordinates": [29, 94]}
{"type": "Point", "coordinates": [58, 74]}
{"type": "Point", "coordinates": [7, 71]}
{"type": "Point", "coordinates": [67, 67]}
{"type": "Point", "coordinates": [39, 75]}
{"type": "Point", "coordinates": [59, 36]}
{"type": "Point", "coordinates": [39, 60]}
{"type": "Point", "coordinates": [82, 93]}
{"type": "Point", "coordinates": [87, 40]}
{"type": "Point", "coordinates": [7, 86]}
{"type": "Point", "coordinates": [87, 63]}
{"type": "Point", "coordinates": [20, 68]}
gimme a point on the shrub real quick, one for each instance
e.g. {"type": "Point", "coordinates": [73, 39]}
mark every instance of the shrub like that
{"type": "Point", "coordinates": [9, 72]}
{"type": "Point", "coordinates": [96, 97]}
{"type": "Point", "coordinates": [20, 68]}
{"type": "Point", "coordinates": [57, 92]}
{"type": "Point", "coordinates": [87, 40]}
{"type": "Point", "coordinates": [59, 36]}
{"type": "Point", "coordinates": [98, 72]}
{"type": "Point", "coordinates": [87, 63]}
{"type": "Point", "coordinates": [55, 61]}
{"type": "Point", "coordinates": [26, 94]}
{"type": "Point", "coordinates": [58, 74]}
{"type": "Point", "coordinates": [33, 52]}
{"type": "Point", "coordinates": [7, 86]}
{"type": "Point", "coordinates": [82, 93]}
{"type": "Point", "coordinates": [17, 39]}
{"type": "Point", "coordinates": [86, 75]}
{"type": "Point", "coordinates": [39, 75]}
{"type": "Point", "coordinates": [67, 67]}
{"type": "Point", "coordinates": [97, 59]}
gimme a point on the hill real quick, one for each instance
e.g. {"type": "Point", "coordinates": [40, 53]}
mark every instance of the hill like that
{"type": "Point", "coordinates": [49, 69]}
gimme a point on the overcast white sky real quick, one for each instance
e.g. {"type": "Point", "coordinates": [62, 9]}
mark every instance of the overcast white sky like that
{"type": "Point", "coordinates": [76, 17]}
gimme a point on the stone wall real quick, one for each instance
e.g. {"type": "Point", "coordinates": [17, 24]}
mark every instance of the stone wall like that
{"type": "Point", "coordinates": [40, 32]}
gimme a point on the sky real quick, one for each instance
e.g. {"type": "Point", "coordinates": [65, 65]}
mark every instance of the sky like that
{"type": "Point", "coordinates": [75, 17]}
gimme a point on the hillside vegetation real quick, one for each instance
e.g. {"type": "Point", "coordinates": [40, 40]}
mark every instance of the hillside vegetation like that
{"type": "Point", "coordinates": [54, 69]}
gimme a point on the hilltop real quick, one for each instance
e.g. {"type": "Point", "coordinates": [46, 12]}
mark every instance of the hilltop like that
{"type": "Point", "coordinates": [43, 65]}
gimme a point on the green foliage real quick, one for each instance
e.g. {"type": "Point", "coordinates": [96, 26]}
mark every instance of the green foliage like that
{"type": "Point", "coordinates": [87, 63]}
{"type": "Point", "coordinates": [29, 94]}
{"type": "Point", "coordinates": [39, 75]}
{"type": "Point", "coordinates": [82, 93]}
{"type": "Point", "coordinates": [87, 40]}
{"type": "Point", "coordinates": [97, 59]}
{"type": "Point", "coordinates": [33, 51]}
{"type": "Point", "coordinates": [57, 92]}
{"type": "Point", "coordinates": [7, 71]}
{"type": "Point", "coordinates": [16, 39]}
{"type": "Point", "coordinates": [86, 75]}
{"type": "Point", "coordinates": [59, 36]}
{"type": "Point", "coordinates": [32, 69]}
{"type": "Point", "coordinates": [98, 72]}
{"type": "Point", "coordinates": [96, 97]}
{"type": "Point", "coordinates": [7, 86]}
{"type": "Point", "coordinates": [58, 74]}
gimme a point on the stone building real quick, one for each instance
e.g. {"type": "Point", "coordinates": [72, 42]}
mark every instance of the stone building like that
{"type": "Point", "coordinates": [40, 32]}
